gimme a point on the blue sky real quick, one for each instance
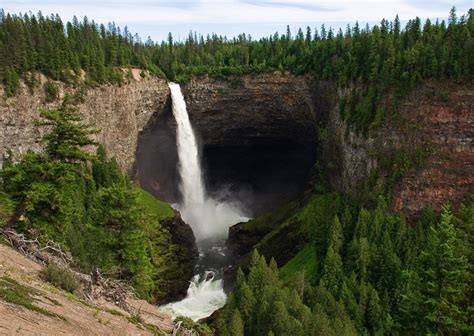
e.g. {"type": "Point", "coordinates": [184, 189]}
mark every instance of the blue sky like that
{"type": "Point", "coordinates": [231, 17]}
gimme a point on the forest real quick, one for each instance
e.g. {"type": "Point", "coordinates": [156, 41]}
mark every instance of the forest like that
{"type": "Point", "coordinates": [365, 272]}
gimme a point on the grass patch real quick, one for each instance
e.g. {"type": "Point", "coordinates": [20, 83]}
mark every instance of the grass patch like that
{"type": "Point", "coordinates": [53, 301]}
{"type": "Point", "coordinates": [161, 209]}
{"type": "Point", "coordinates": [13, 292]}
{"type": "Point", "coordinates": [60, 277]}
{"type": "Point", "coordinates": [115, 312]}
{"type": "Point", "coordinates": [273, 219]}
{"type": "Point", "coordinates": [304, 260]}
{"type": "Point", "coordinates": [154, 329]}
{"type": "Point", "coordinates": [135, 319]}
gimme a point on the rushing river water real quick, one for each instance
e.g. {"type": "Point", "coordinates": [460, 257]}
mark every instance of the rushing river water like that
{"type": "Point", "coordinates": [209, 218]}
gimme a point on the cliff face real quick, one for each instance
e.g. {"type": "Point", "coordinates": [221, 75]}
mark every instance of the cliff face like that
{"type": "Point", "coordinates": [121, 112]}
{"type": "Point", "coordinates": [436, 118]}
{"type": "Point", "coordinates": [261, 109]}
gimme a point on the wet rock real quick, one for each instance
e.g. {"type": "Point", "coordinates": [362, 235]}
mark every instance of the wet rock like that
{"type": "Point", "coordinates": [186, 255]}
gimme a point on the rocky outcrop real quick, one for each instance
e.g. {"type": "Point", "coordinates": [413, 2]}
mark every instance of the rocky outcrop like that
{"type": "Point", "coordinates": [278, 234]}
{"type": "Point", "coordinates": [121, 112]}
{"type": "Point", "coordinates": [436, 118]}
{"type": "Point", "coordinates": [271, 108]}
{"type": "Point", "coordinates": [186, 254]}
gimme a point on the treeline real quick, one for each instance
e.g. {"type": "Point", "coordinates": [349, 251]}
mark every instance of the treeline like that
{"type": "Point", "coordinates": [37, 43]}
{"type": "Point", "coordinates": [367, 273]}
{"type": "Point", "coordinates": [84, 203]}
{"type": "Point", "coordinates": [380, 59]}
{"type": "Point", "coordinates": [386, 52]}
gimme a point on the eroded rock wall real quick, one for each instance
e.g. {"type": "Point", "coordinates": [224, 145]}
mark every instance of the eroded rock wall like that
{"type": "Point", "coordinates": [435, 117]}
{"type": "Point", "coordinates": [121, 112]}
{"type": "Point", "coordinates": [267, 108]}
{"type": "Point", "coordinates": [264, 113]}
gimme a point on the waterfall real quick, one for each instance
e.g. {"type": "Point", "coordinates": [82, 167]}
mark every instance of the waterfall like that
{"type": "Point", "coordinates": [192, 186]}
{"type": "Point", "coordinates": [209, 218]}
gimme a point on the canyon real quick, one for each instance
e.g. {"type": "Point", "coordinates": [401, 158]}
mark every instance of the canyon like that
{"type": "Point", "coordinates": [247, 124]}
{"type": "Point", "coordinates": [260, 136]}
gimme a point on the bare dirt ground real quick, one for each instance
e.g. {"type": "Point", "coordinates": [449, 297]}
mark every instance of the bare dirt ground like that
{"type": "Point", "coordinates": [75, 317]}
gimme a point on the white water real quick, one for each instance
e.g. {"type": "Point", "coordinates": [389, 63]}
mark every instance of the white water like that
{"type": "Point", "coordinates": [209, 218]}
{"type": "Point", "coordinates": [203, 298]}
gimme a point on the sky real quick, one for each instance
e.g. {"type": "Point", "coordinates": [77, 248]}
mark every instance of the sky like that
{"type": "Point", "coordinates": [232, 17]}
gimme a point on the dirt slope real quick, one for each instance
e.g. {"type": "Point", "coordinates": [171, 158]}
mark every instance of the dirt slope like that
{"type": "Point", "coordinates": [74, 316]}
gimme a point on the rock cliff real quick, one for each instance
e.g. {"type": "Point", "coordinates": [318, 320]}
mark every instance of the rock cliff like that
{"type": "Point", "coordinates": [436, 118]}
{"type": "Point", "coordinates": [274, 108]}
{"type": "Point", "coordinates": [121, 112]}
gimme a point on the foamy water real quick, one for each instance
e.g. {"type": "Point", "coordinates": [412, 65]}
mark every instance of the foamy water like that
{"type": "Point", "coordinates": [202, 299]}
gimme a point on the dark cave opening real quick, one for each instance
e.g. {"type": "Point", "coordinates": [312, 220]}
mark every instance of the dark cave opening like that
{"type": "Point", "coordinates": [258, 176]}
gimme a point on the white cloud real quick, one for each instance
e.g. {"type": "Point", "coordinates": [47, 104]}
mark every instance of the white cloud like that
{"type": "Point", "coordinates": [247, 13]}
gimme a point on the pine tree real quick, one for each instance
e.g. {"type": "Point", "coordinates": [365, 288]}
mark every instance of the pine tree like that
{"type": "Point", "coordinates": [333, 275]}
{"type": "Point", "coordinates": [236, 326]}
{"type": "Point", "coordinates": [68, 135]}
{"type": "Point", "coordinates": [441, 281]}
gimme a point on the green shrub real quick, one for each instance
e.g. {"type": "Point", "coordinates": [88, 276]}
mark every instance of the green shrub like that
{"type": "Point", "coordinates": [6, 208]}
{"type": "Point", "coordinates": [11, 81]}
{"type": "Point", "coordinates": [155, 70]}
{"type": "Point", "coordinates": [60, 277]}
{"type": "Point", "coordinates": [200, 329]}
{"type": "Point", "coordinates": [129, 74]}
{"type": "Point", "coordinates": [51, 91]}
{"type": "Point", "coordinates": [80, 94]}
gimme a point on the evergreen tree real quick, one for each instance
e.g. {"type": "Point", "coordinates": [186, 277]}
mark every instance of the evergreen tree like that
{"type": "Point", "coordinates": [236, 326]}
{"type": "Point", "coordinates": [68, 136]}
{"type": "Point", "coordinates": [442, 283]}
